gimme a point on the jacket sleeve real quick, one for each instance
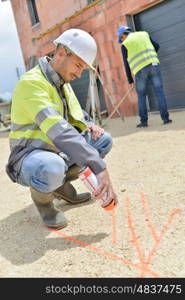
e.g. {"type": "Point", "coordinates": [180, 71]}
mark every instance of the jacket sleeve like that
{"type": "Point", "coordinates": [87, 119]}
{"type": "Point", "coordinates": [39, 108]}
{"type": "Point", "coordinates": [155, 44]}
{"type": "Point", "coordinates": [127, 68]}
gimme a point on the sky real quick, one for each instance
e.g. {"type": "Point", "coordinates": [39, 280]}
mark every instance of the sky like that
{"type": "Point", "coordinates": [10, 51]}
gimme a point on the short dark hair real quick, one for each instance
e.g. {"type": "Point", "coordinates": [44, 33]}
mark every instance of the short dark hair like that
{"type": "Point", "coordinates": [68, 51]}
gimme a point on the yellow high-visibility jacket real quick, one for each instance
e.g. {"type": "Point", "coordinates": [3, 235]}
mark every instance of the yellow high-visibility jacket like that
{"type": "Point", "coordinates": [37, 116]}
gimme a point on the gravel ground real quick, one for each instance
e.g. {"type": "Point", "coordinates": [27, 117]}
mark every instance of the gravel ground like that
{"type": "Point", "coordinates": [143, 237]}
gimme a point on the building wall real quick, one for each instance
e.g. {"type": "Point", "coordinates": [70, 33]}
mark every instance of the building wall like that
{"type": "Point", "coordinates": [101, 20]}
{"type": "Point", "coordinates": [50, 13]}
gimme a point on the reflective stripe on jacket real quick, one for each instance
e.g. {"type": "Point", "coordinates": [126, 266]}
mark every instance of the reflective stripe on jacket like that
{"type": "Point", "coordinates": [141, 51]}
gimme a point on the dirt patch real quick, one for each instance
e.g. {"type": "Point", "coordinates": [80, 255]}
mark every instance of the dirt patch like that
{"type": "Point", "coordinates": [144, 237]}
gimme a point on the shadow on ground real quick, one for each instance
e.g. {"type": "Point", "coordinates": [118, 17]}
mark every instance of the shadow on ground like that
{"type": "Point", "coordinates": [24, 238]}
{"type": "Point", "coordinates": [4, 133]}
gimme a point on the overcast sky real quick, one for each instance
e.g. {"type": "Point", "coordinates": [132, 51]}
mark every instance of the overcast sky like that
{"type": "Point", "coordinates": [10, 51]}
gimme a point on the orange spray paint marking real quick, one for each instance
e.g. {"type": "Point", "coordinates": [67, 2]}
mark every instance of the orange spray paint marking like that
{"type": "Point", "coordinates": [147, 217]}
{"type": "Point", "coordinates": [157, 237]}
{"type": "Point", "coordinates": [145, 262]}
{"type": "Point", "coordinates": [114, 231]}
{"type": "Point", "coordinates": [135, 240]}
{"type": "Point", "coordinates": [105, 253]}
{"type": "Point", "coordinates": [164, 230]}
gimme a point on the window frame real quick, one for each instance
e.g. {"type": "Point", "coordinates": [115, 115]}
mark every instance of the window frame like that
{"type": "Point", "coordinates": [32, 8]}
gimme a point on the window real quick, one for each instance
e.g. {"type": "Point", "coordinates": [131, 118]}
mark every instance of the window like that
{"type": "Point", "coordinates": [90, 1]}
{"type": "Point", "coordinates": [33, 12]}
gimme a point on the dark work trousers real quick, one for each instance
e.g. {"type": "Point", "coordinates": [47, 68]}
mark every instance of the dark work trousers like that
{"type": "Point", "coordinates": [150, 73]}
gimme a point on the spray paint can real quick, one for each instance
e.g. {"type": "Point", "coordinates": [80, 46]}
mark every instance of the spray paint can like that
{"type": "Point", "coordinates": [91, 182]}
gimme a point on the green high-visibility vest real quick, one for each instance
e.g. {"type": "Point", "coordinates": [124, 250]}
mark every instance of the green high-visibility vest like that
{"type": "Point", "coordinates": [141, 51]}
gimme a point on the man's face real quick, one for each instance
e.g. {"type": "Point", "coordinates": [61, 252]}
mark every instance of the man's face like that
{"type": "Point", "coordinates": [71, 67]}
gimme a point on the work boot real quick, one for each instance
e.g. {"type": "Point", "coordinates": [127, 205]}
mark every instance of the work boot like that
{"type": "Point", "coordinates": [72, 173]}
{"type": "Point", "coordinates": [67, 192]}
{"type": "Point", "coordinates": [140, 125]}
{"type": "Point", "coordinates": [51, 216]}
{"type": "Point", "coordinates": [167, 121]}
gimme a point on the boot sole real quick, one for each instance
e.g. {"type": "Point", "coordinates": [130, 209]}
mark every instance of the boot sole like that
{"type": "Point", "coordinates": [57, 227]}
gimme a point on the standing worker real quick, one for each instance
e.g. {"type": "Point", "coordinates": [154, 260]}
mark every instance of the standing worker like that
{"type": "Point", "coordinates": [140, 58]}
{"type": "Point", "coordinates": [51, 139]}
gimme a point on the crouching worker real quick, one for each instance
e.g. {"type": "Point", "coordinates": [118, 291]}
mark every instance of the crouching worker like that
{"type": "Point", "coordinates": [51, 139]}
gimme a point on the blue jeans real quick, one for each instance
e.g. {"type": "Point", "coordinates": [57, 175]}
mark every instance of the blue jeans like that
{"type": "Point", "coordinates": [153, 74]}
{"type": "Point", "coordinates": [45, 171]}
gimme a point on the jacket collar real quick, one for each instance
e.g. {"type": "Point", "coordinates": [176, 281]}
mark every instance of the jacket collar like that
{"type": "Point", "coordinates": [52, 76]}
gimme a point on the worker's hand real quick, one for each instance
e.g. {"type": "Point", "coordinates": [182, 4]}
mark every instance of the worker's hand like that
{"type": "Point", "coordinates": [105, 188]}
{"type": "Point", "coordinates": [96, 131]}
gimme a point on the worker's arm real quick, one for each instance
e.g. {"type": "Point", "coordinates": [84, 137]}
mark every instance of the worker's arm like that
{"type": "Point", "coordinates": [127, 68]}
{"type": "Point", "coordinates": [40, 110]}
{"type": "Point", "coordinates": [87, 119]}
{"type": "Point", "coordinates": [105, 185]}
{"type": "Point", "coordinates": [155, 44]}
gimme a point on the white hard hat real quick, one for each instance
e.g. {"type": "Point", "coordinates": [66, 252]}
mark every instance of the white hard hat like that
{"type": "Point", "coordinates": [81, 43]}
